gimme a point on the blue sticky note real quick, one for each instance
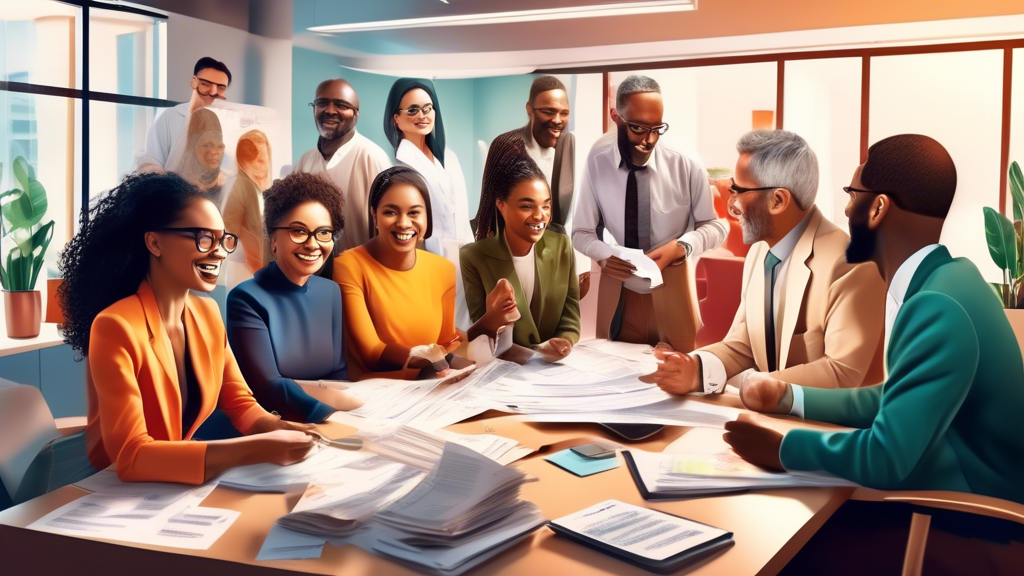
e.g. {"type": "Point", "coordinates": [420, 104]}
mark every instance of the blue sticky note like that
{"type": "Point", "coordinates": [580, 466]}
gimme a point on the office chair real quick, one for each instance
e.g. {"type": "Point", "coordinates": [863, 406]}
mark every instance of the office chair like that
{"type": "Point", "coordinates": [920, 523]}
{"type": "Point", "coordinates": [34, 458]}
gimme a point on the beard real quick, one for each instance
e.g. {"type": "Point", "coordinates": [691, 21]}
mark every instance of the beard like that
{"type": "Point", "coordinates": [342, 129]}
{"type": "Point", "coordinates": [756, 222]}
{"type": "Point", "coordinates": [863, 242]}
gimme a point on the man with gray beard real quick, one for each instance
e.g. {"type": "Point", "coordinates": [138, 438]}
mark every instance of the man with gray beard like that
{"type": "Point", "coordinates": [807, 316]}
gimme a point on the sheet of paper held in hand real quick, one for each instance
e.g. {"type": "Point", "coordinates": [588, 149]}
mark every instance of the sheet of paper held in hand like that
{"type": "Point", "coordinates": [645, 267]}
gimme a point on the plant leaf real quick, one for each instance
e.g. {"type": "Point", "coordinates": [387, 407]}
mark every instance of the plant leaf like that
{"type": "Point", "coordinates": [1017, 190]}
{"type": "Point", "coordinates": [21, 172]}
{"type": "Point", "coordinates": [40, 241]}
{"type": "Point", "coordinates": [1000, 236]}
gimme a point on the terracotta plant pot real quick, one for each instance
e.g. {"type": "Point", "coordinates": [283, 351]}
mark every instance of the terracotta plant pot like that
{"type": "Point", "coordinates": [24, 311]}
{"type": "Point", "coordinates": [54, 313]}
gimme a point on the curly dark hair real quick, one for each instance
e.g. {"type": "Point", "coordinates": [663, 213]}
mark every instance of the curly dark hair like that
{"type": "Point", "coordinates": [108, 259]}
{"type": "Point", "coordinates": [507, 166]}
{"type": "Point", "coordinates": [298, 188]}
{"type": "Point", "coordinates": [400, 175]}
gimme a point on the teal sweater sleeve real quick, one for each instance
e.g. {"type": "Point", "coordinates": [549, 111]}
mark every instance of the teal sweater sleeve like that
{"type": "Point", "coordinates": [853, 407]}
{"type": "Point", "coordinates": [934, 357]}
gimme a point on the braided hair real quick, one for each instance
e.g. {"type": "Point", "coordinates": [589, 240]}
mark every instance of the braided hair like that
{"type": "Point", "coordinates": [508, 165]}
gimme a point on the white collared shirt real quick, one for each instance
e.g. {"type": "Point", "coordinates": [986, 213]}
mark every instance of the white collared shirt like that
{"type": "Point", "coordinates": [681, 203]}
{"type": "Point", "coordinates": [712, 368]}
{"type": "Point", "coordinates": [352, 169]}
{"type": "Point", "coordinates": [166, 130]}
{"type": "Point", "coordinates": [544, 157]}
{"type": "Point", "coordinates": [893, 302]}
{"type": "Point", "coordinates": [449, 205]}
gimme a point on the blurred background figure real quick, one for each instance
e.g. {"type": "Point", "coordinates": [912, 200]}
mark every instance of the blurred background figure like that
{"type": "Point", "coordinates": [243, 207]}
{"type": "Point", "coordinates": [199, 160]}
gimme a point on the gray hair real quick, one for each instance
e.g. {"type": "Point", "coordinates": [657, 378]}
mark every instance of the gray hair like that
{"type": "Point", "coordinates": [783, 159]}
{"type": "Point", "coordinates": [634, 84]}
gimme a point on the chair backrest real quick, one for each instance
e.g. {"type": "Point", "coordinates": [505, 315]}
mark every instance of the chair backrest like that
{"type": "Point", "coordinates": [719, 277]}
{"type": "Point", "coordinates": [26, 426]}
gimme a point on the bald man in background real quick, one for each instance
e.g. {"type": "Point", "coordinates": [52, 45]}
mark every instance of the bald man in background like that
{"type": "Point", "coordinates": [346, 158]}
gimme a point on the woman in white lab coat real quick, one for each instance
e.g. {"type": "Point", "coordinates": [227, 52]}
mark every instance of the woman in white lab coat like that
{"type": "Point", "coordinates": [412, 122]}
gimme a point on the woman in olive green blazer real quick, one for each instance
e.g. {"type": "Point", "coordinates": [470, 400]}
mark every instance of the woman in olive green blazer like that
{"type": "Point", "coordinates": [538, 262]}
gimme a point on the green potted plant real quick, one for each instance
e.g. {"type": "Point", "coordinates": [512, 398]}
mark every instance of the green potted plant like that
{"type": "Point", "coordinates": [21, 214]}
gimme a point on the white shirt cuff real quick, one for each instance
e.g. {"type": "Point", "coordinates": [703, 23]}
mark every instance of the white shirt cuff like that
{"type": "Point", "coordinates": [713, 372]}
{"type": "Point", "coordinates": [798, 401]}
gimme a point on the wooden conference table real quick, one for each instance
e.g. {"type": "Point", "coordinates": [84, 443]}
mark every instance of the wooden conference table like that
{"type": "Point", "coordinates": [769, 526]}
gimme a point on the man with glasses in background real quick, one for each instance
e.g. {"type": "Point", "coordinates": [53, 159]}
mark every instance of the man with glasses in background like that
{"type": "Point", "coordinates": [210, 81]}
{"type": "Point", "coordinates": [647, 196]}
{"type": "Point", "coordinates": [344, 157]}
{"type": "Point", "coordinates": [806, 316]}
{"type": "Point", "coordinates": [548, 142]}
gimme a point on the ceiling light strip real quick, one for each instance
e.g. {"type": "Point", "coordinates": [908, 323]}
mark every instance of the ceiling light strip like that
{"type": "Point", "coordinates": [570, 12]}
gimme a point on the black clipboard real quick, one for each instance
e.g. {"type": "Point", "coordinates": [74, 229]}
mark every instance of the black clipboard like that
{"type": "Point", "coordinates": [652, 496]}
{"type": "Point", "coordinates": [666, 566]}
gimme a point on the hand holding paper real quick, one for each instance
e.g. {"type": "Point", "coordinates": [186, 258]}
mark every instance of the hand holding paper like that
{"type": "Point", "coordinates": [554, 349]}
{"type": "Point", "coordinates": [644, 267]}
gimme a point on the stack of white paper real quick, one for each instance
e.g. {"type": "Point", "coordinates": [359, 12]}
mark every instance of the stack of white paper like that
{"type": "Point", "coordinates": [701, 474]}
{"type": "Point", "coordinates": [465, 511]}
{"type": "Point", "coordinates": [415, 447]}
{"type": "Point", "coordinates": [335, 510]}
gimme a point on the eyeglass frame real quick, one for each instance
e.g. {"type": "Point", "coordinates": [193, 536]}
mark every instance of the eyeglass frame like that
{"type": "Point", "coordinates": [660, 129]}
{"type": "Point", "coordinates": [199, 232]}
{"type": "Point", "coordinates": [741, 190]}
{"type": "Point", "coordinates": [339, 104]}
{"type": "Point", "coordinates": [221, 88]}
{"type": "Point", "coordinates": [417, 109]}
{"type": "Point", "coordinates": [309, 233]}
{"type": "Point", "coordinates": [889, 194]}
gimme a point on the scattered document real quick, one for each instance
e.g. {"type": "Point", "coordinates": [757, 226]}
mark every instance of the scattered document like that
{"type": "Point", "coordinates": [673, 411]}
{"type": "Point", "coordinates": [484, 349]}
{"type": "Point", "coordinates": [640, 532]}
{"type": "Point", "coordinates": [581, 465]}
{"type": "Point", "coordinates": [284, 544]}
{"type": "Point", "coordinates": [646, 268]}
{"type": "Point", "coordinates": [685, 475]}
{"type": "Point", "coordinates": [142, 518]}
{"type": "Point", "coordinates": [325, 463]}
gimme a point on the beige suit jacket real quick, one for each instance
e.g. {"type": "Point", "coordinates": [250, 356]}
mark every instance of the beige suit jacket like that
{"type": "Point", "coordinates": [833, 315]}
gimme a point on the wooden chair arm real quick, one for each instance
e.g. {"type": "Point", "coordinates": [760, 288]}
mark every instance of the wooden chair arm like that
{"type": "Point", "coordinates": [954, 501]}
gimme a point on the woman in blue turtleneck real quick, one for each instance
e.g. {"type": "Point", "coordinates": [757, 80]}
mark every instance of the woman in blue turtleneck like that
{"type": "Point", "coordinates": [285, 323]}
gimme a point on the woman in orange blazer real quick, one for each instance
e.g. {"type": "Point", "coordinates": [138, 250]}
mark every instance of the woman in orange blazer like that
{"type": "Point", "coordinates": [158, 358]}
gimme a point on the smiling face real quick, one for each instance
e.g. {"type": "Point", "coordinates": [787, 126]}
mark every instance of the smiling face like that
{"type": "Point", "coordinates": [549, 116]}
{"type": "Point", "coordinates": [401, 217]}
{"type": "Point", "coordinates": [527, 211]}
{"type": "Point", "coordinates": [421, 123]}
{"type": "Point", "coordinates": [300, 261]}
{"type": "Point", "coordinates": [178, 255]}
{"type": "Point", "coordinates": [647, 110]}
{"type": "Point", "coordinates": [210, 150]}
{"type": "Point", "coordinates": [335, 109]}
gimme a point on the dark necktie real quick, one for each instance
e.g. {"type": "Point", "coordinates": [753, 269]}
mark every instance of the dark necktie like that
{"type": "Point", "coordinates": [632, 207]}
{"type": "Point", "coordinates": [769, 309]}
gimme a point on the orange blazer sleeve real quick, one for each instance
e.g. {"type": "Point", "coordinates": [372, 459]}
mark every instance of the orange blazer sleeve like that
{"type": "Point", "coordinates": [114, 360]}
{"type": "Point", "coordinates": [236, 399]}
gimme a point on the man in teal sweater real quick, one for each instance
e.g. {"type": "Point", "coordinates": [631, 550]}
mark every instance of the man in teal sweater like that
{"type": "Point", "coordinates": [948, 416]}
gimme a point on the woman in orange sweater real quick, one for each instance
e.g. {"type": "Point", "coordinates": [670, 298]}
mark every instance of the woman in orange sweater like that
{"type": "Point", "coordinates": [158, 358]}
{"type": "Point", "coordinates": [398, 301]}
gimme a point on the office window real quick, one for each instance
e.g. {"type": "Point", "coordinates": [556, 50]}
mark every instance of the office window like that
{"type": "Point", "coordinates": [955, 98]}
{"type": "Point", "coordinates": [126, 54]}
{"type": "Point", "coordinates": [1016, 120]}
{"type": "Point", "coordinates": [708, 108]}
{"type": "Point", "coordinates": [39, 43]}
{"type": "Point", "coordinates": [822, 104]}
{"type": "Point", "coordinates": [113, 150]}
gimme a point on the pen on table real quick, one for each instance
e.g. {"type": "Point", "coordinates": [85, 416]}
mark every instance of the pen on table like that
{"type": "Point", "coordinates": [348, 443]}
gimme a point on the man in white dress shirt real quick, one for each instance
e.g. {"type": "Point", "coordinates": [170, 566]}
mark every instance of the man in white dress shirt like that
{"type": "Point", "coordinates": [819, 331]}
{"type": "Point", "coordinates": [647, 196]}
{"type": "Point", "coordinates": [210, 81]}
{"type": "Point", "coordinates": [344, 157]}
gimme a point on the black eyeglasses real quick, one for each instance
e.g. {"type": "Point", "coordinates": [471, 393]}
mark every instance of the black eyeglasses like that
{"type": "Point", "coordinates": [208, 86]}
{"type": "Point", "coordinates": [740, 189]}
{"type": "Point", "coordinates": [205, 240]}
{"type": "Point", "coordinates": [850, 189]}
{"type": "Point", "coordinates": [323, 103]}
{"type": "Point", "coordinates": [641, 130]}
{"type": "Point", "coordinates": [300, 235]}
{"type": "Point", "coordinates": [414, 110]}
